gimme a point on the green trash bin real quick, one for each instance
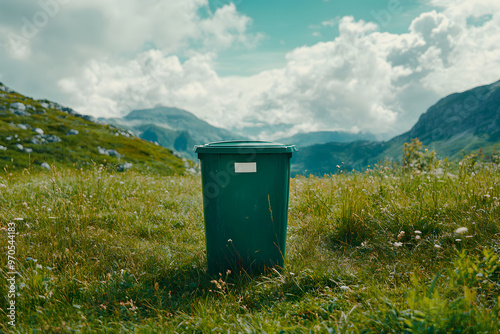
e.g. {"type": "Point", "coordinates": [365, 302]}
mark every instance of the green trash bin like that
{"type": "Point", "coordinates": [245, 196]}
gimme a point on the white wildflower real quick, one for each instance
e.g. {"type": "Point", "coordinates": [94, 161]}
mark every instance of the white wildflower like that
{"type": "Point", "coordinates": [418, 232]}
{"type": "Point", "coordinates": [461, 230]}
{"type": "Point", "coordinates": [437, 246]}
{"type": "Point", "coordinates": [398, 244]}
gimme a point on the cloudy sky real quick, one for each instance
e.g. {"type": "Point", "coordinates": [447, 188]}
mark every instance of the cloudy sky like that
{"type": "Point", "coordinates": [360, 65]}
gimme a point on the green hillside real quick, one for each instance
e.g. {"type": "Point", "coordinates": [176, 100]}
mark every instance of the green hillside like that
{"type": "Point", "coordinates": [40, 134]}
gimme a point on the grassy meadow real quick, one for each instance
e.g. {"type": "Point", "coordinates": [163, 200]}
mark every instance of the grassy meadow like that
{"type": "Point", "coordinates": [389, 250]}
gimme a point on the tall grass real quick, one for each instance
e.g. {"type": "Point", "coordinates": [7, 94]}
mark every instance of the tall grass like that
{"type": "Point", "coordinates": [370, 252]}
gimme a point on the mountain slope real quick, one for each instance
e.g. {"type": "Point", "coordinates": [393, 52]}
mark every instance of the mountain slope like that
{"type": "Point", "coordinates": [460, 122]}
{"type": "Point", "coordinates": [174, 128]}
{"type": "Point", "coordinates": [475, 111]}
{"type": "Point", "coordinates": [466, 121]}
{"type": "Point", "coordinates": [40, 133]}
{"type": "Point", "coordinates": [332, 157]}
{"type": "Point", "coordinates": [323, 137]}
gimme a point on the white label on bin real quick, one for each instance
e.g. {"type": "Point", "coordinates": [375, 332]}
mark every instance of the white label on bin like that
{"type": "Point", "coordinates": [245, 167]}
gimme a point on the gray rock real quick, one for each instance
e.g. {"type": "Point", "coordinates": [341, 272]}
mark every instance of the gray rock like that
{"type": "Point", "coordinates": [20, 113]}
{"type": "Point", "coordinates": [124, 134]}
{"type": "Point", "coordinates": [72, 132]}
{"type": "Point", "coordinates": [125, 166]}
{"type": "Point", "coordinates": [43, 139]}
{"type": "Point", "coordinates": [44, 105]}
{"type": "Point", "coordinates": [45, 165]}
{"type": "Point", "coordinates": [28, 150]}
{"type": "Point", "coordinates": [6, 89]}
{"type": "Point", "coordinates": [102, 150]}
{"type": "Point", "coordinates": [22, 126]}
{"type": "Point", "coordinates": [17, 108]}
{"type": "Point", "coordinates": [39, 131]}
{"type": "Point", "coordinates": [3, 148]}
{"type": "Point", "coordinates": [52, 139]}
{"type": "Point", "coordinates": [8, 138]}
{"type": "Point", "coordinates": [19, 146]}
{"type": "Point", "coordinates": [114, 153]}
{"type": "Point", "coordinates": [110, 152]}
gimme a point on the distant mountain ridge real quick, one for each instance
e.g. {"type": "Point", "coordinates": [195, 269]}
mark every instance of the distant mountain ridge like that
{"type": "Point", "coordinates": [41, 131]}
{"type": "Point", "coordinates": [460, 122]}
{"type": "Point", "coordinates": [323, 137]}
{"type": "Point", "coordinates": [180, 130]}
{"type": "Point", "coordinates": [173, 128]}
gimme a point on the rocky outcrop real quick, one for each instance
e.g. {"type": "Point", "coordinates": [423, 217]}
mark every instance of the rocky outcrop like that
{"type": "Point", "coordinates": [45, 165]}
{"type": "Point", "coordinates": [476, 111]}
{"type": "Point", "coordinates": [110, 152]}
{"type": "Point", "coordinates": [44, 139]}
{"type": "Point", "coordinates": [18, 108]}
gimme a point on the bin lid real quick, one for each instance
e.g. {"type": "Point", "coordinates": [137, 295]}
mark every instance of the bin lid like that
{"type": "Point", "coordinates": [244, 147]}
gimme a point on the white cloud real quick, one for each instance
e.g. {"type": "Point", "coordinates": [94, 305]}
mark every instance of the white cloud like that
{"type": "Point", "coordinates": [363, 80]}
{"type": "Point", "coordinates": [76, 34]}
{"type": "Point", "coordinates": [331, 22]}
{"type": "Point", "coordinates": [227, 27]}
{"type": "Point", "coordinates": [460, 55]}
{"type": "Point", "coordinates": [328, 85]}
{"type": "Point", "coordinates": [111, 88]}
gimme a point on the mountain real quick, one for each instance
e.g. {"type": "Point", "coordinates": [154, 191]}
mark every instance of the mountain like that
{"type": "Point", "coordinates": [174, 128]}
{"type": "Point", "coordinates": [40, 134]}
{"type": "Point", "coordinates": [461, 122]}
{"type": "Point", "coordinates": [332, 157]}
{"type": "Point", "coordinates": [466, 121]}
{"type": "Point", "coordinates": [323, 137]}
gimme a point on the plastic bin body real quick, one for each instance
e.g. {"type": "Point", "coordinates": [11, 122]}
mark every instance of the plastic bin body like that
{"type": "Point", "coordinates": [245, 194]}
